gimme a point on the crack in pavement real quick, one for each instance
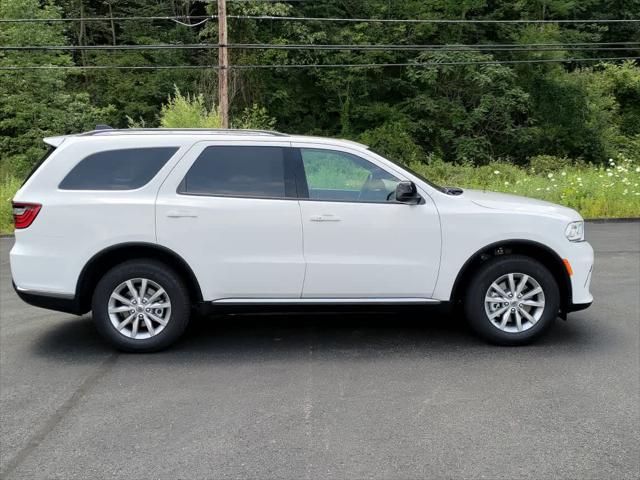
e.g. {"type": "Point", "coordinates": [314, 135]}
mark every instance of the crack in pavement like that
{"type": "Point", "coordinates": [57, 417]}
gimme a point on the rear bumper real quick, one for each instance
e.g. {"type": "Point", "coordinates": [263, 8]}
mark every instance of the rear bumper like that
{"type": "Point", "coordinates": [59, 303]}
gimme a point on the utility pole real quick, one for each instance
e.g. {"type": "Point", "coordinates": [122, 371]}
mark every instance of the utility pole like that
{"type": "Point", "coordinates": [223, 63]}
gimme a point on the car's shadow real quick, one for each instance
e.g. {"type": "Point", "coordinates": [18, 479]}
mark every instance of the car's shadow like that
{"type": "Point", "coordinates": [229, 338]}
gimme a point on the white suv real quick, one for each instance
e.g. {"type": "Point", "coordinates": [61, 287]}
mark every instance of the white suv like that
{"type": "Point", "coordinates": [142, 226]}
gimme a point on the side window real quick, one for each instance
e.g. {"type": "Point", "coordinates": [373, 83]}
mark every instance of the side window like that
{"type": "Point", "coordinates": [239, 171]}
{"type": "Point", "coordinates": [341, 176]}
{"type": "Point", "coordinates": [125, 169]}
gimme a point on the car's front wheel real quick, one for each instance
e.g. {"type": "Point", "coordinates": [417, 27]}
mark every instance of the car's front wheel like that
{"type": "Point", "coordinates": [512, 300]}
{"type": "Point", "coordinates": [141, 306]}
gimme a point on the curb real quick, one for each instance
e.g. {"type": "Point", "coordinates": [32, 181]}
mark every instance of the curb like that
{"type": "Point", "coordinates": [613, 220]}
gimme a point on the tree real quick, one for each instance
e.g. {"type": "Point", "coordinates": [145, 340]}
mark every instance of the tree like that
{"type": "Point", "coordinates": [468, 112]}
{"type": "Point", "coordinates": [459, 112]}
{"type": "Point", "coordinates": [36, 104]}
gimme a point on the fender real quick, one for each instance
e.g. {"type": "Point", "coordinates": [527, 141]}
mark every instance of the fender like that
{"type": "Point", "coordinates": [543, 253]}
{"type": "Point", "coordinates": [130, 250]}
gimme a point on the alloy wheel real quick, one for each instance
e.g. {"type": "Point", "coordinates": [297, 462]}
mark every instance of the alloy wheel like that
{"type": "Point", "coordinates": [139, 308]}
{"type": "Point", "coordinates": [514, 302]}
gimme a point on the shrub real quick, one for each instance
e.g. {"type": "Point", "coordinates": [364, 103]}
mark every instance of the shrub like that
{"type": "Point", "coordinates": [548, 163]}
{"type": "Point", "coordinates": [188, 112]}
{"type": "Point", "coordinates": [393, 140]}
{"type": "Point", "coordinates": [256, 118]}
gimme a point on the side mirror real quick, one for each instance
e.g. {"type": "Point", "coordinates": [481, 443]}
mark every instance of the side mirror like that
{"type": "Point", "coordinates": [406, 192]}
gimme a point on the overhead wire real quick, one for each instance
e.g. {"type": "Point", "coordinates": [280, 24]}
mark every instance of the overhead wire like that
{"type": "Point", "coordinates": [375, 47]}
{"type": "Point", "coordinates": [108, 19]}
{"type": "Point", "coordinates": [182, 18]}
{"type": "Point", "coordinates": [433, 20]}
{"type": "Point", "coordinates": [300, 65]}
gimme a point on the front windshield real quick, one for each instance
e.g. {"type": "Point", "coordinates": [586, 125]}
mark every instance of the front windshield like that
{"type": "Point", "coordinates": [412, 172]}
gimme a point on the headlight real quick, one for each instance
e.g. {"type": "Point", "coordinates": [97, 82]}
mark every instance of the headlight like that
{"type": "Point", "coordinates": [575, 231]}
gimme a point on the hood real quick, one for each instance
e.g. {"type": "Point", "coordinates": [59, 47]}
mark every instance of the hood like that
{"type": "Point", "coordinates": [516, 203]}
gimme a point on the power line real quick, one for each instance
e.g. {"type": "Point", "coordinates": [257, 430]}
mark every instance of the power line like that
{"type": "Point", "coordinates": [257, 1]}
{"type": "Point", "coordinates": [417, 20]}
{"type": "Point", "coordinates": [392, 47]}
{"type": "Point", "coordinates": [317, 19]}
{"type": "Point", "coordinates": [106, 19]}
{"type": "Point", "coordinates": [300, 65]}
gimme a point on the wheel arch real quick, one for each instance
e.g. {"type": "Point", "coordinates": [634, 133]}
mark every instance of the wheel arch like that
{"type": "Point", "coordinates": [545, 255]}
{"type": "Point", "coordinates": [111, 256]}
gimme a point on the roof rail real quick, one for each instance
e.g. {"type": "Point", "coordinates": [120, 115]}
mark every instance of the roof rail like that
{"type": "Point", "coordinates": [105, 129]}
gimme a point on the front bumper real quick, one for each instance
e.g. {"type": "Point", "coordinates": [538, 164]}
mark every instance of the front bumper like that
{"type": "Point", "coordinates": [576, 307]}
{"type": "Point", "coordinates": [581, 259]}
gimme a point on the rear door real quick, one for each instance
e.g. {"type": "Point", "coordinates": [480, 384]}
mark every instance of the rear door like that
{"type": "Point", "coordinates": [358, 241]}
{"type": "Point", "coordinates": [230, 210]}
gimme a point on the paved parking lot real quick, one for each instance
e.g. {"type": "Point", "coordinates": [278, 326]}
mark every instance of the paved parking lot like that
{"type": "Point", "coordinates": [354, 396]}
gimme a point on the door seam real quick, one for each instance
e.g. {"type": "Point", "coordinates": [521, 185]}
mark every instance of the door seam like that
{"type": "Point", "coordinates": [304, 258]}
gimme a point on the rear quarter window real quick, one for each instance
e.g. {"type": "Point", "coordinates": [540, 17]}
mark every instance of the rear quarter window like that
{"type": "Point", "coordinates": [125, 169]}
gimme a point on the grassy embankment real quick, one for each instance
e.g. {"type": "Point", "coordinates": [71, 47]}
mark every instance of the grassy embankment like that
{"type": "Point", "coordinates": [607, 191]}
{"type": "Point", "coordinates": [8, 186]}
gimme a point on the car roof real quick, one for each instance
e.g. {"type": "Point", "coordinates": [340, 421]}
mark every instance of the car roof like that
{"type": "Point", "coordinates": [203, 134]}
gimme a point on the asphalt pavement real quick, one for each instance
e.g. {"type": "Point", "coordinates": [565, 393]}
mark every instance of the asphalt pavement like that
{"type": "Point", "coordinates": [330, 396]}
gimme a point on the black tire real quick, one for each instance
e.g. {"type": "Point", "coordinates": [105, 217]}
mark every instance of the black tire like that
{"type": "Point", "coordinates": [474, 300]}
{"type": "Point", "coordinates": [156, 272]}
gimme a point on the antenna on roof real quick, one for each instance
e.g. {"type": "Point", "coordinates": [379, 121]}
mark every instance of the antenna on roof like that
{"type": "Point", "coordinates": [103, 127]}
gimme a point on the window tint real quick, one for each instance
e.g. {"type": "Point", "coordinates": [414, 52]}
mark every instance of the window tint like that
{"type": "Point", "coordinates": [125, 169]}
{"type": "Point", "coordinates": [333, 175]}
{"type": "Point", "coordinates": [237, 171]}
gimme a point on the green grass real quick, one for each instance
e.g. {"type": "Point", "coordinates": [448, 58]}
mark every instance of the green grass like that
{"type": "Point", "coordinates": [8, 187]}
{"type": "Point", "coordinates": [610, 191]}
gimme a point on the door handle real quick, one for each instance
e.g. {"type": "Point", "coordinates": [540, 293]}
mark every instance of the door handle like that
{"type": "Point", "coordinates": [181, 214]}
{"type": "Point", "coordinates": [324, 218]}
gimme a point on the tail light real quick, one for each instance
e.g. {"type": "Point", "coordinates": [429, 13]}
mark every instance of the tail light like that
{"type": "Point", "coordinates": [24, 213]}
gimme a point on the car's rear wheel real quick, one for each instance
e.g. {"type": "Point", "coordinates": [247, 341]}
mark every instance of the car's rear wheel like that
{"type": "Point", "coordinates": [141, 306]}
{"type": "Point", "coordinates": [512, 300]}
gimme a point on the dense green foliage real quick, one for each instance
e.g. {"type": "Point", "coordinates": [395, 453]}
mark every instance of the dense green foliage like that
{"type": "Point", "coordinates": [518, 114]}
{"type": "Point", "coordinates": [39, 103]}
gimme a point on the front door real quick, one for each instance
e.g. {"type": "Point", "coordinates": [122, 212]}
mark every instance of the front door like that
{"type": "Point", "coordinates": [230, 211]}
{"type": "Point", "coordinates": [358, 241]}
